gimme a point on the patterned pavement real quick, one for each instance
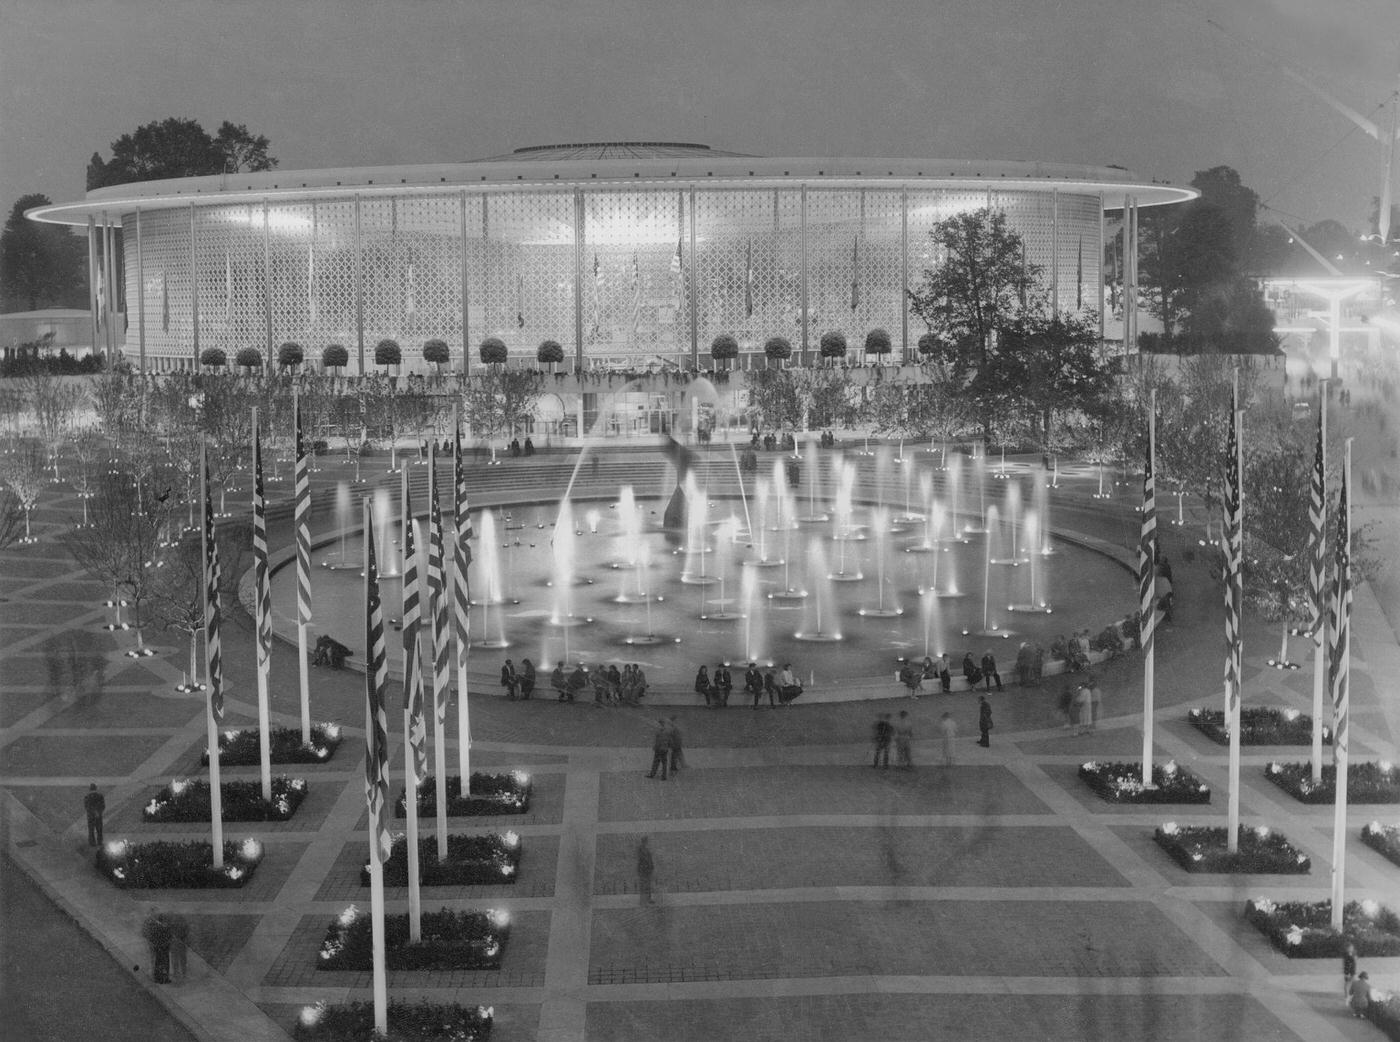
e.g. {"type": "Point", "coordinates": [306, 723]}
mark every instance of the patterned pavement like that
{"type": "Point", "coordinates": [800, 894]}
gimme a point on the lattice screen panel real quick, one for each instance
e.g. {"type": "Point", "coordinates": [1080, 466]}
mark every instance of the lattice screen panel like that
{"type": "Point", "coordinates": [331, 264]}
{"type": "Point", "coordinates": [166, 292]}
{"type": "Point", "coordinates": [853, 265]}
{"type": "Point", "coordinates": [1079, 267]}
{"type": "Point", "coordinates": [229, 277]}
{"type": "Point", "coordinates": [1031, 215]}
{"type": "Point", "coordinates": [429, 235]}
{"type": "Point", "coordinates": [523, 271]}
{"type": "Point", "coordinates": [293, 274]}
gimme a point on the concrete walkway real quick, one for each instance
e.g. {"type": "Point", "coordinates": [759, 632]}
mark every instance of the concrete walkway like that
{"type": "Point", "coordinates": [801, 894]}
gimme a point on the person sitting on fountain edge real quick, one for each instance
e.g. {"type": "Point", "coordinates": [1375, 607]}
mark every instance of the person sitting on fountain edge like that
{"type": "Point", "coordinates": [789, 687]}
{"type": "Point", "coordinates": [578, 680]}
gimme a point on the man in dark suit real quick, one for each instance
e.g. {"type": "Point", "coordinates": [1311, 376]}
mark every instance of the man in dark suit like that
{"type": "Point", "coordinates": [509, 681]}
{"type": "Point", "coordinates": [94, 803]}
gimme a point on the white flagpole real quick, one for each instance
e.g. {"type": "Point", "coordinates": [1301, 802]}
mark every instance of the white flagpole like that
{"type": "Point", "coordinates": [1149, 608]}
{"type": "Point", "coordinates": [260, 614]}
{"type": "Point", "coordinates": [1341, 723]}
{"type": "Point", "coordinates": [376, 870]}
{"type": "Point", "coordinates": [410, 773]}
{"type": "Point", "coordinates": [1319, 656]}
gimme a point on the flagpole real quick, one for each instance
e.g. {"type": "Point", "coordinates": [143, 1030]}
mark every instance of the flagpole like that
{"type": "Point", "coordinates": [261, 619]}
{"type": "Point", "coordinates": [1341, 688]}
{"type": "Point", "coordinates": [301, 523]}
{"type": "Point", "coordinates": [1236, 682]}
{"type": "Point", "coordinates": [211, 652]}
{"type": "Point", "coordinates": [376, 868]}
{"type": "Point", "coordinates": [437, 628]}
{"type": "Point", "coordinates": [412, 706]}
{"type": "Point", "coordinates": [1147, 590]}
{"type": "Point", "coordinates": [1318, 565]}
{"type": "Point", "coordinates": [460, 605]}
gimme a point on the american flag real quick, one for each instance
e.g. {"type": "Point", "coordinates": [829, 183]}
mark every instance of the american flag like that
{"type": "Point", "coordinates": [636, 292]}
{"type": "Point", "coordinates": [228, 290]}
{"type": "Point", "coordinates": [520, 301]}
{"type": "Point", "coordinates": [1147, 544]}
{"type": "Point", "coordinates": [1339, 623]}
{"type": "Point", "coordinates": [1317, 535]}
{"type": "Point", "coordinates": [262, 585]}
{"type": "Point", "coordinates": [311, 284]}
{"type": "Point", "coordinates": [437, 598]}
{"type": "Point", "coordinates": [302, 518]}
{"type": "Point", "coordinates": [461, 554]}
{"type": "Point", "coordinates": [1079, 277]}
{"type": "Point", "coordinates": [677, 268]}
{"type": "Point", "coordinates": [376, 715]}
{"type": "Point", "coordinates": [1234, 554]}
{"type": "Point", "coordinates": [213, 646]}
{"type": "Point", "coordinates": [412, 673]}
{"type": "Point", "coordinates": [597, 297]}
{"type": "Point", "coordinates": [855, 273]}
{"type": "Point", "coordinates": [748, 279]}
{"type": "Point", "coordinates": [164, 303]}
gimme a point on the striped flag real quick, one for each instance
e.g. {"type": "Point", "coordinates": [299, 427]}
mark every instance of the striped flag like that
{"type": "Point", "coordinates": [597, 297]}
{"type": "Point", "coordinates": [1234, 553]}
{"type": "Point", "coordinates": [302, 518]}
{"type": "Point", "coordinates": [376, 714]}
{"type": "Point", "coordinates": [748, 279]}
{"type": "Point", "coordinates": [1339, 623]}
{"type": "Point", "coordinates": [855, 273]}
{"type": "Point", "coordinates": [636, 293]}
{"type": "Point", "coordinates": [677, 269]}
{"type": "Point", "coordinates": [412, 672]}
{"type": "Point", "coordinates": [228, 290]}
{"type": "Point", "coordinates": [1079, 277]}
{"type": "Point", "coordinates": [213, 646]}
{"type": "Point", "coordinates": [262, 585]}
{"type": "Point", "coordinates": [1317, 535]}
{"type": "Point", "coordinates": [437, 598]}
{"type": "Point", "coordinates": [311, 284]}
{"type": "Point", "coordinates": [164, 303]}
{"type": "Point", "coordinates": [461, 554]}
{"type": "Point", "coordinates": [520, 301]}
{"type": "Point", "coordinates": [1147, 543]}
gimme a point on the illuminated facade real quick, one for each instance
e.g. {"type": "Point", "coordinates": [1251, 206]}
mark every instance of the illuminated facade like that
{"type": "Point", "coordinates": [628, 255]}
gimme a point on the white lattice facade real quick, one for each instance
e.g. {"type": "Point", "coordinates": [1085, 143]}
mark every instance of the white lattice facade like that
{"type": "Point", "coordinates": [622, 271]}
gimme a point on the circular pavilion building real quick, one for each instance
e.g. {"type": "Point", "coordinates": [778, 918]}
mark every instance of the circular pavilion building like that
{"type": "Point", "coordinates": [632, 255]}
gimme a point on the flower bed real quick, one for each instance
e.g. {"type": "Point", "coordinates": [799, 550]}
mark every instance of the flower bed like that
{"type": "Point", "coordinates": [1122, 783]}
{"type": "Point", "coordinates": [1202, 848]}
{"type": "Point", "coordinates": [408, 1022]}
{"type": "Point", "coordinates": [241, 747]}
{"type": "Point", "coordinates": [1303, 929]}
{"type": "Point", "coordinates": [187, 799]}
{"type": "Point", "coordinates": [1259, 725]}
{"type": "Point", "coordinates": [1384, 1012]}
{"type": "Point", "coordinates": [451, 941]}
{"type": "Point", "coordinates": [1366, 782]}
{"type": "Point", "coordinates": [160, 865]}
{"type": "Point", "coordinates": [471, 860]}
{"type": "Point", "coordinates": [1383, 838]}
{"type": "Point", "coordinates": [490, 794]}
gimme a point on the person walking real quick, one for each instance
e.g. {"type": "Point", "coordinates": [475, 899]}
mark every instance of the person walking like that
{"type": "Point", "coordinates": [904, 741]}
{"type": "Point", "coordinates": [646, 870]}
{"type": "Point", "coordinates": [179, 945]}
{"type": "Point", "coordinates": [989, 670]}
{"type": "Point", "coordinates": [1359, 994]}
{"type": "Point", "coordinates": [673, 732]}
{"type": "Point", "coordinates": [156, 931]}
{"type": "Point", "coordinates": [1095, 702]}
{"type": "Point", "coordinates": [95, 804]}
{"type": "Point", "coordinates": [1084, 702]}
{"type": "Point", "coordinates": [949, 729]}
{"type": "Point", "coordinates": [702, 687]}
{"type": "Point", "coordinates": [1348, 969]}
{"type": "Point", "coordinates": [984, 722]}
{"type": "Point", "coordinates": [724, 682]}
{"type": "Point", "coordinates": [660, 749]}
{"type": "Point", "coordinates": [527, 678]}
{"type": "Point", "coordinates": [881, 736]}
{"type": "Point", "coordinates": [509, 681]}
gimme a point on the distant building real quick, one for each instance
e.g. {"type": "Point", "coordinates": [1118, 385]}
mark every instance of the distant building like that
{"type": "Point", "coordinates": [70, 328]}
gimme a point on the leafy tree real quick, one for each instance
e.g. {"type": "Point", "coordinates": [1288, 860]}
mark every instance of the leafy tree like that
{"type": "Point", "coordinates": [550, 352]}
{"type": "Point", "coordinates": [825, 397]}
{"type": "Point", "coordinates": [877, 342]}
{"type": "Point", "coordinates": [213, 357]}
{"type": "Point", "coordinates": [1186, 258]}
{"type": "Point", "coordinates": [833, 346]}
{"type": "Point", "coordinates": [290, 355]}
{"type": "Point", "coordinates": [493, 351]}
{"type": "Point", "coordinates": [1222, 189]}
{"type": "Point", "coordinates": [774, 399]}
{"type": "Point", "coordinates": [777, 349]}
{"type": "Point", "coordinates": [335, 356]}
{"type": "Point", "coordinates": [979, 286]}
{"type": "Point", "coordinates": [496, 402]}
{"type": "Point", "coordinates": [41, 265]}
{"type": "Point", "coordinates": [436, 352]}
{"type": "Point", "coordinates": [248, 358]}
{"type": "Point", "coordinates": [387, 353]}
{"type": "Point", "coordinates": [724, 349]}
{"type": "Point", "coordinates": [920, 410]}
{"type": "Point", "coordinates": [178, 148]}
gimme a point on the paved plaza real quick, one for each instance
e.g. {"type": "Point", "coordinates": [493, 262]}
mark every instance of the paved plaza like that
{"type": "Point", "coordinates": [800, 893]}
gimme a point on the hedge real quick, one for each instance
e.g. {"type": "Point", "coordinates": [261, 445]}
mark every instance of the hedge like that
{"type": "Point", "coordinates": [471, 861]}
{"type": "Point", "coordinates": [1204, 848]}
{"type": "Point", "coordinates": [1303, 929]}
{"type": "Point", "coordinates": [241, 747]}
{"type": "Point", "coordinates": [1259, 725]}
{"type": "Point", "coordinates": [1367, 782]}
{"type": "Point", "coordinates": [451, 941]}
{"type": "Point", "coordinates": [188, 799]}
{"type": "Point", "coordinates": [161, 865]}
{"type": "Point", "coordinates": [408, 1022]}
{"type": "Point", "coordinates": [1122, 783]}
{"type": "Point", "coordinates": [489, 794]}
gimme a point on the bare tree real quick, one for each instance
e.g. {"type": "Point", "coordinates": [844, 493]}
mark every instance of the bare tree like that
{"type": "Point", "coordinates": [54, 401]}
{"type": "Point", "coordinates": [23, 474]}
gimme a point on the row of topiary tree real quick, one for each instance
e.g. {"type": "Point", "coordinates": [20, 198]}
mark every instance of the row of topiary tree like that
{"type": "Point", "coordinates": [832, 346]}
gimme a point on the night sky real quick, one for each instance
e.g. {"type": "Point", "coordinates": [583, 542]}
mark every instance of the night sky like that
{"type": "Point", "coordinates": [1141, 83]}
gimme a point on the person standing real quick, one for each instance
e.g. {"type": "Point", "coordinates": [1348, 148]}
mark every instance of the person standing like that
{"type": "Point", "coordinates": [770, 686]}
{"type": "Point", "coordinates": [984, 722]}
{"type": "Point", "coordinates": [949, 728]}
{"type": "Point", "coordinates": [1095, 702]}
{"type": "Point", "coordinates": [753, 682]}
{"type": "Point", "coordinates": [1085, 703]}
{"type": "Point", "coordinates": [509, 681]}
{"type": "Point", "coordinates": [1348, 969]}
{"type": "Point", "coordinates": [156, 931]}
{"type": "Point", "coordinates": [179, 945]}
{"type": "Point", "coordinates": [527, 678]}
{"type": "Point", "coordinates": [95, 804]}
{"type": "Point", "coordinates": [702, 687]}
{"type": "Point", "coordinates": [904, 741]}
{"type": "Point", "coordinates": [646, 870]}
{"type": "Point", "coordinates": [989, 670]}
{"type": "Point", "coordinates": [945, 673]}
{"type": "Point", "coordinates": [881, 736]}
{"type": "Point", "coordinates": [660, 750]}
{"type": "Point", "coordinates": [725, 682]}
{"type": "Point", "coordinates": [673, 732]}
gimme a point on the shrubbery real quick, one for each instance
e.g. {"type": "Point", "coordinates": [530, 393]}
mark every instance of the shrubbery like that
{"type": "Point", "coordinates": [1204, 848]}
{"type": "Point", "coordinates": [188, 799]}
{"type": "Point", "coordinates": [489, 794]}
{"type": "Point", "coordinates": [471, 860]}
{"type": "Point", "coordinates": [408, 1022]}
{"type": "Point", "coordinates": [160, 865]}
{"type": "Point", "coordinates": [241, 747]}
{"type": "Point", "coordinates": [1259, 725]}
{"type": "Point", "coordinates": [1122, 783]}
{"type": "Point", "coordinates": [1366, 782]}
{"type": "Point", "coordinates": [1303, 929]}
{"type": "Point", "coordinates": [451, 941]}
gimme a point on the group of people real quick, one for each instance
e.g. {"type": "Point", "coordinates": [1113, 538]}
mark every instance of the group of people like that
{"type": "Point", "coordinates": [517, 451]}
{"type": "Point", "coordinates": [667, 754]}
{"type": "Point", "coordinates": [772, 441]}
{"type": "Point", "coordinates": [900, 734]}
{"type": "Point", "coordinates": [779, 687]}
{"type": "Point", "coordinates": [1082, 705]}
{"type": "Point", "coordinates": [913, 675]}
{"type": "Point", "coordinates": [167, 934]}
{"type": "Point", "coordinates": [1356, 987]}
{"type": "Point", "coordinates": [611, 686]}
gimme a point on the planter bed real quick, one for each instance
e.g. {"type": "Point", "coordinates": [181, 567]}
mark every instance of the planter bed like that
{"type": "Point", "coordinates": [1259, 725]}
{"type": "Point", "coordinates": [1303, 929]}
{"type": "Point", "coordinates": [187, 799]}
{"type": "Point", "coordinates": [160, 865]}
{"type": "Point", "coordinates": [451, 941]}
{"type": "Point", "coordinates": [408, 1022]}
{"type": "Point", "coordinates": [1367, 782]}
{"type": "Point", "coordinates": [471, 860]}
{"type": "Point", "coordinates": [1384, 1012]}
{"type": "Point", "coordinates": [241, 747]}
{"type": "Point", "coordinates": [1202, 848]}
{"type": "Point", "coordinates": [1122, 783]}
{"type": "Point", "coordinates": [1383, 838]}
{"type": "Point", "coordinates": [490, 794]}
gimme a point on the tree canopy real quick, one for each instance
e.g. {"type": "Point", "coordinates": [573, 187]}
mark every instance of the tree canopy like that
{"type": "Point", "coordinates": [41, 265]}
{"type": "Point", "coordinates": [177, 147]}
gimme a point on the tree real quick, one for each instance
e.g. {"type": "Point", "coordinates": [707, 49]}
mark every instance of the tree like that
{"type": "Point", "coordinates": [335, 356]}
{"type": "Point", "coordinates": [176, 595]}
{"type": "Point", "coordinates": [497, 401]}
{"type": "Point", "coordinates": [777, 349]}
{"type": "Point", "coordinates": [248, 358]}
{"type": "Point", "coordinates": [833, 346]}
{"type": "Point", "coordinates": [493, 351]}
{"type": "Point", "coordinates": [54, 401]}
{"type": "Point", "coordinates": [435, 352]}
{"type": "Point", "coordinates": [387, 353]}
{"type": "Point", "coordinates": [290, 355]}
{"type": "Point", "coordinates": [825, 397]}
{"type": "Point", "coordinates": [213, 357]}
{"type": "Point", "coordinates": [1221, 188]}
{"type": "Point", "coordinates": [22, 472]}
{"type": "Point", "coordinates": [41, 265]}
{"type": "Point", "coordinates": [724, 348]}
{"type": "Point", "coordinates": [178, 148]}
{"type": "Point", "coordinates": [550, 353]}
{"type": "Point", "coordinates": [981, 284]}
{"type": "Point", "coordinates": [774, 398]}
{"type": "Point", "coordinates": [877, 342]}
{"type": "Point", "coordinates": [1186, 258]}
